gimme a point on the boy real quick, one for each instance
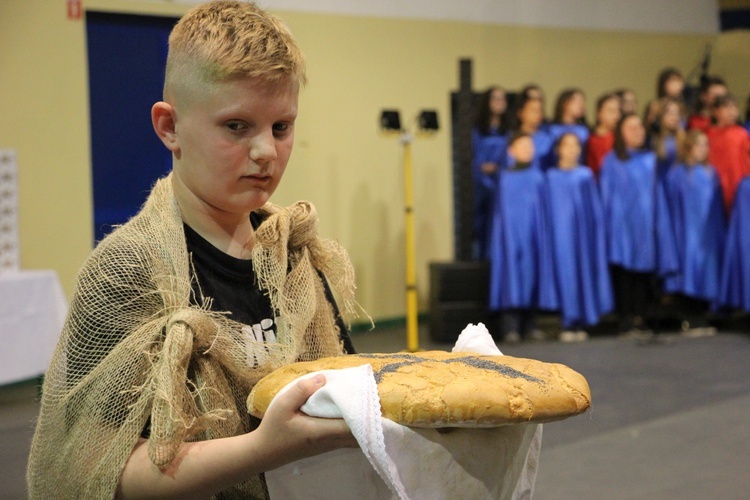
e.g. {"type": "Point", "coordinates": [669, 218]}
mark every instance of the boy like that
{"type": "Point", "coordinates": [729, 147]}
{"type": "Point", "coordinates": [182, 310]}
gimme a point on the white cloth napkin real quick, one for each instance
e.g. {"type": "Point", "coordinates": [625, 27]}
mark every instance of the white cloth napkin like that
{"type": "Point", "coordinates": [476, 338]}
{"type": "Point", "coordinates": [399, 462]}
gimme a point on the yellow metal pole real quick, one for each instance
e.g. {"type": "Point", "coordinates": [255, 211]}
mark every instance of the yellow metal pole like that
{"type": "Point", "coordinates": [412, 326]}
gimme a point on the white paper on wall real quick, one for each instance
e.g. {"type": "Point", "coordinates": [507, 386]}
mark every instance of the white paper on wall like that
{"type": "Point", "coordinates": [9, 244]}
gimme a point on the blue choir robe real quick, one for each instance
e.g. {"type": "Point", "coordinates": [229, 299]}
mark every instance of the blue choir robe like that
{"type": "Point", "coordinates": [543, 146]}
{"type": "Point", "coordinates": [640, 237]}
{"type": "Point", "coordinates": [663, 165]}
{"type": "Point", "coordinates": [695, 203]}
{"type": "Point", "coordinates": [521, 271]}
{"type": "Point", "coordinates": [486, 148]}
{"type": "Point", "coordinates": [555, 131]}
{"type": "Point", "coordinates": [579, 243]}
{"type": "Point", "coordinates": [735, 273]}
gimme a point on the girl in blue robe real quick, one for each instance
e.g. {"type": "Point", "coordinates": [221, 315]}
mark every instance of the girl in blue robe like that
{"type": "Point", "coordinates": [489, 144]}
{"type": "Point", "coordinates": [529, 120]}
{"type": "Point", "coordinates": [735, 274]}
{"type": "Point", "coordinates": [521, 276]}
{"type": "Point", "coordinates": [666, 133]}
{"type": "Point", "coordinates": [570, 117]}
{"type": "Point", "coordinates": [695, 203]}
{"type": "Point", "coordinates": [640, 238]}
{"type": "Point", "coordinates": [578, 236]}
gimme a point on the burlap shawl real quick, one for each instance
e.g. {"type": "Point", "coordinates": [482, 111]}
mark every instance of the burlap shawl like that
{"type": "Point", "coordinates": [135, 346]}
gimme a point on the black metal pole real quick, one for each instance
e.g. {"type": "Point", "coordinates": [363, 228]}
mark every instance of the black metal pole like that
{"type": "Point", "coordinates": [463, 186]}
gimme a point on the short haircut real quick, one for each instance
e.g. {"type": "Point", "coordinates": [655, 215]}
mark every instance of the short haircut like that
{"type": "Point", "coordinates": [221, 40]}
{"type": "Point", "coordinates": [710, 81]}
{"type": "Point", "coordinates": [724, 100]}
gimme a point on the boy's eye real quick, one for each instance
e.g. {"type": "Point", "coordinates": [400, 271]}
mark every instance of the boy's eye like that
{"type": "Point", "coordinates": [280, 127]}
{"type": "Point", "coordinates": [236, 126]}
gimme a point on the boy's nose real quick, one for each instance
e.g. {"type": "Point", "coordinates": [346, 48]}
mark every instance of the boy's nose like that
{"type": "Point", "coordinates": [263, 147]}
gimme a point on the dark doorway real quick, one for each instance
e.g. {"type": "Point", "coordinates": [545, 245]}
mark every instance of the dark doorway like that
{"type": "Point", "coordinates": [126, 55]}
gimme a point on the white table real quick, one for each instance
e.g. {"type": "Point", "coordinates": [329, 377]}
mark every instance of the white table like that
{"type": "Point", "coordinates": [32, 313]}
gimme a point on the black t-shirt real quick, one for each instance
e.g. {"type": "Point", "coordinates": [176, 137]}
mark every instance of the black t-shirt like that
{"type": "Point", "coordinates": [232, 286]}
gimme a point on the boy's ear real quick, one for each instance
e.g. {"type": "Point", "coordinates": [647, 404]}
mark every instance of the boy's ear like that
{"type": "Point", "coordinates": [163, 119]}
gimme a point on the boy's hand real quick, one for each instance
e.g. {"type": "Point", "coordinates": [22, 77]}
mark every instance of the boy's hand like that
{"type": "Point", "coordinates": [204, 468]}
{"type": "Point", "coordinates": [286, 434]}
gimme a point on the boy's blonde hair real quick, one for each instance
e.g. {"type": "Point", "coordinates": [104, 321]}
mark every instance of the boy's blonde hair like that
{"type": "Point", "coordinates": [228, 39]}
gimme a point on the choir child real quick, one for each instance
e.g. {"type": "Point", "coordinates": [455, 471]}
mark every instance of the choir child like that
{"type": "Point", "coordinates": [670, 84]}
{"type": "Point", "coordinates": [533, 91]}
{"type": "Point", "coordinates": [640, 239]}
{"type": "Point", "coordinates": [521, 277]}
{"type": "Point", "coordinates": [570, 116]}
{"type": "Point", "coordinates": [529, 120]}
{"type": "Point", "coordinates": [628, 101]}
{"type": "Point", "coordinates": [729, 147]}
{"type": "Point", "coordinates": [579, 241]}
{"type": "Point", "coordinates": [489, 143]}
{"type": "Point", "coordinates": [695, 203]}
{"type": "Point", "coordinates": [712, 87]}
{"type": "Point", "coordinates": [735, 273]}
{"type": "Point", "coordinates": [666, 132]}
{"type": "Point", "coordinates": [602, 139]}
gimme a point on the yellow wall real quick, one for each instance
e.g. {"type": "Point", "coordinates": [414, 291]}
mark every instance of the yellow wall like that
{"type": "Point", "coordinates": [43, 115]}
{"type": "Point", "coordinates": [357, 66]}
{"type": "Point", "coordinates": [734, 4]}
{"type": "Point", "coordinates": [732, 60]}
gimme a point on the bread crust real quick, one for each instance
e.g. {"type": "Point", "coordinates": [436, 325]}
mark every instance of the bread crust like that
{"type": "Point", "coordinates": [442, 389]}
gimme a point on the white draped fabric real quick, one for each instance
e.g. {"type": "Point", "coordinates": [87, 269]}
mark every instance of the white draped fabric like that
{"type": "Point", "coordinates": [32, 313]}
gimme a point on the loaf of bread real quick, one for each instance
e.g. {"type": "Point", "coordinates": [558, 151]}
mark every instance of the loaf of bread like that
{"type": "Point", "coordinates": [442, 389]}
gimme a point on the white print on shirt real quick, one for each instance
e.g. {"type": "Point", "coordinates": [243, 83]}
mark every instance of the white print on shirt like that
{"type": "Point", "coordinates": [255, 336]}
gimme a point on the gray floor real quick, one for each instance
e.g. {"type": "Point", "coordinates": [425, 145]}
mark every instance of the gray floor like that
{"type": "Point", "coordinates": [669, 420]}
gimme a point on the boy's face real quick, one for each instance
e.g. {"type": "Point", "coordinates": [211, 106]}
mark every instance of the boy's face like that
{"type": "Point", "coordinates": [712, 92]}
{"type": "Point", "coordinates": [727, 114]}
{"type": "Point", "coordinates": [234, 142]}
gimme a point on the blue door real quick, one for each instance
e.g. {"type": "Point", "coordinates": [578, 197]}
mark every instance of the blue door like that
{"type": "Point", "coordinates": [127, 55]}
